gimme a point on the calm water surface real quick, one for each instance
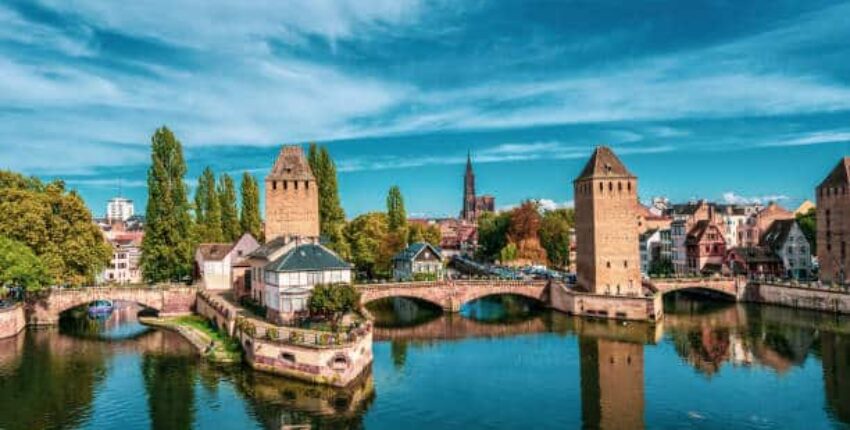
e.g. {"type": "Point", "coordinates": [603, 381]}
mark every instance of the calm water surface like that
{"type": "Point", "coordinates": [502, 363]}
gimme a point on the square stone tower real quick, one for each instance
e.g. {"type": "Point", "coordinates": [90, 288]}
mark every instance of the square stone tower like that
{"type": "Point", "coordinates": [607, 245]}
{"type": "Point", "coordinates": [292, 197]}
{"type": "Point", "coordinates": [833, 224]}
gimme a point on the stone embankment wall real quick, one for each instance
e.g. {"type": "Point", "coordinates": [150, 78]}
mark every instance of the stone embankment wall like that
{"type": "Point", "coordinates": [12, 321]}
{"type": "Point", "coordinates": [819, 299]}
{"type": "Point", "coordinates": [636, 308]}
{"type": "Point", "coordinates": [309, 355]}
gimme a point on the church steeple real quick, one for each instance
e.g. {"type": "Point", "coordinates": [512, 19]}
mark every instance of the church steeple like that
{"type": "Point", "coordinates": [469, 210]}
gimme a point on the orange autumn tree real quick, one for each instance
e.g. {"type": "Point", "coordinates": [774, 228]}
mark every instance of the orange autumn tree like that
{"type": "Point", "coordinates": [523, 233]}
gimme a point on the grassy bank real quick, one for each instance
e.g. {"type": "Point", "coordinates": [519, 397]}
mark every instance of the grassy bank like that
{"type": "Point", "coordinates": [210, 342]}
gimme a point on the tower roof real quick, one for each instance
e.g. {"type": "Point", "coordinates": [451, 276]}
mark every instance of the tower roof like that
{"type": "Point", "coordinates": [604, 164]}
{"type": "Point", "coordinates": [840, 175]}
{"type": "Point", "coordinates": [291, 164]}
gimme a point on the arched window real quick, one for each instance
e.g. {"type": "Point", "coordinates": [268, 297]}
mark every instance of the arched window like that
{"type": "Point", "coordinates": [619, 186]}
{"type": "Point", "coordinates": [629, 186]}
{"type": "Point", "coordinates": [274, 185]}
{"type": "Point", "coordinates": [610, 186]}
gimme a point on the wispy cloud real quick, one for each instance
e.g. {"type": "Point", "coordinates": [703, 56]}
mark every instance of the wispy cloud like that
{"type": "Point", "coordinates": [733, 198]}
{"type": "Point", "coordinates": [812, 138]}
{"type": "Point", "coordinates": [508, 152]}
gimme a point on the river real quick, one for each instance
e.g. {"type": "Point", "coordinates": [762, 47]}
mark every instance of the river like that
{"type": "Point", "coordinates": [501, 363]}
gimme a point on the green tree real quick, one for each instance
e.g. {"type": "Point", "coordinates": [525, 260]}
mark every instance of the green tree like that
{"type": "Point", "coordinates": [249, 214]}
{"type": "Point", "coordinates": [56, 225]}
{"type": "Point", "coordinates": [492, 234]}
{"type": "Point", "coordinates": [333, 301]}
{"type": "Point", "coordinates": [168, 244]}
{"type": "Point", "coordinates": [808, 223]}
{"type": "Point", "coordinates": [422, 233]}
{"type": "Point", "coordinates": [229, 214]}
{"type": "Point", "coordinates": [208, 212]}
{"type": "Point", "coordinates": [661, 268]}
{"type": "Point", "coordinates": [20, 267]}
{"type": "Point", "coordinates": [555, 236]}
{"type": "Point", "coordinates": [396, 214]}
{"type": "Point", "coordinates": [508, 253]}
{"type": "Point", "coordinates": [366, 235]}
{"type": "Point", "coordinates": [331, 214]}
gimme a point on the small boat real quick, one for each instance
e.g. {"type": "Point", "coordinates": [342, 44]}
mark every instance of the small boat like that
{"type": "Point", "coordinates": [100, 308]}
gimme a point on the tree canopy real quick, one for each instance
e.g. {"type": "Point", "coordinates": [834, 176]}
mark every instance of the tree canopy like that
{"type": "Point", "coordinates": [366, 235]}
{"type": "Point", "coordinates": [230, 228]}
{"type": "Point", "coordinates": [168, 244]}
{"type": "Point", "coordinates": [333, 301]}
{"type": "Point", "coordinates": [249, 213]}
{"type": "Point", "coordinates": [208, 209]}
{"type": "Point", "coordinates": [20, 267]}
{"type": "Point", "coordinates": [555, 236]}
{"type": "Point", "coordinates": [331, 214]}
{"type": "Point", "coordinates": [56, 225]}
{"type": "Point", "coordinates": [422, 233]}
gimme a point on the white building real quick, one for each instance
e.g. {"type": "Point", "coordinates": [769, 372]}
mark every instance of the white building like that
{"type": "Point", "coordinates": [786, 239]}
{"type": "Point", "coordinates": [213, 261]}
{"type": "Point", "coordinates": [124, 266]}
{"type": "Point", "coordinates": [418, 259]}
{"type": "Point", "coordinates": [289, 280]}
{"type": "Point", "coordinates": [648, 240]}
{"type": "Point", "coordinates": [119, 209]}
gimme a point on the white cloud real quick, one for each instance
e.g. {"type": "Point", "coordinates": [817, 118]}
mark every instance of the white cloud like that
{"type": "Point", "coordinates": [550, 205]}
{"type": "Point", "coordinates": [812, 138]}
{"type": "Point", "coordinates": [509, 152]}
{"type": "Point", "coordinates": [733, 198]}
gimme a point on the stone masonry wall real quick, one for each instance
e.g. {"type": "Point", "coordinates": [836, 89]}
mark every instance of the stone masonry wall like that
{"type": "Point", "coordinates": [292, 208]}
{"type": "Point", "coordinates": [818, 299]}
{"type": "Point", "coordinates": [12, 321]}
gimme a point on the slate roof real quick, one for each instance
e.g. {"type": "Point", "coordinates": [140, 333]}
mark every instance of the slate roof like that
{"type": "Point", "coordinates": [776, 235]}
{"type": "Point", "coordinates": [698, 230]}
{"type": "Point", "coordinates": [307, 258]}
{"type": "Point", "coordinates": [214, 251]}
{"type": "Point", "coordinates": [291, 164]}
{"type": "Point", "coordinates": [414, 249]}
{"type": "Point", "coordinates": [756, 254]}
{"type": "Point", "coordinates": [839, 176]}
{"type": "Point", "coordinates": [269, 247]}
{"type": "Point", "coordinates": [604, 164]}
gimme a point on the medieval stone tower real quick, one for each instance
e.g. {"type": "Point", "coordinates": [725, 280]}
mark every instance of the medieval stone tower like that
{"type": "Point", "coordinates": [608, 258]}
{"type": "Point", "coordinates": [292, 197]}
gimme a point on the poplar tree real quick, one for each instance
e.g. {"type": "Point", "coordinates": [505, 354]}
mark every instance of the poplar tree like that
{"type": "Point", "coordinates": [229, 216]}
{"type": "Point", "coordinates": [249, 216]}
{"type": "Point", "coordinates": [168, 245]}
{"type": "Point", "coordinates": [331, 214]}
{"type": "Point", "coordinates": [395, 210]}
{"type": "Point", "coordinates": [208, 209]}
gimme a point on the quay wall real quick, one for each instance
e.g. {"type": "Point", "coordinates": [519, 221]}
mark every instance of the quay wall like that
{"type": "Point", "coordinates": [818, 299]}
{"type": "Point", "coordinates": [636, 308]}
{"type": "Point", "coordinates": [335, 359]}
{"type": "Point", "coordinates": [12, 321]}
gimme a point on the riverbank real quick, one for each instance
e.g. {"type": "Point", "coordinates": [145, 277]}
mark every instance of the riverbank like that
{"type": "Point", "coordinates": [209, 342]}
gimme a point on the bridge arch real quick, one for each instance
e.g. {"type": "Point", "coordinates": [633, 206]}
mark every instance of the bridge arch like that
{"type": "Point", "coordinates": [165, 300]}
{"type": "Point", "coordinates": [727, 287]}
{"type": "Point", "coordinates": [479, 294]}
{"type": "Point", "coordinates": [412, 295]}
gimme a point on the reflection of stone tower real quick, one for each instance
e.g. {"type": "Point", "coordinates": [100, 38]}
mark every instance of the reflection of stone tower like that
{"type": "Point", "coordinates": [835, 354]}
{"type": "Point", "coordinates": [292, 197]}
{"type": "Point", "coordinates": [611, 384]}
{"type": "Point", "coordinates": [608, 260]}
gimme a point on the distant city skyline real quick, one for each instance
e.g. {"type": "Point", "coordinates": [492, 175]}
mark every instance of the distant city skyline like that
{"type": "Point", "coordinates": [699, 99]}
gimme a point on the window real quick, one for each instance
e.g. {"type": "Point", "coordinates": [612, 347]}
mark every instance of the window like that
{"type": "Point", "coordinates": [285, 185]}
{"type": "Point", "coordinates": [274, 185]}
{"type": "Point", "coordinates": [296, 184]}
{"type": "Point", "coordinates": [288, 357]}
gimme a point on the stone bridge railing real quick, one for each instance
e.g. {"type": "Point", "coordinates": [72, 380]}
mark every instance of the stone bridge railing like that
{"type": "Point", "coordinates": [451, 295]}
{"type": "Point", "coordinates": [45, 307]}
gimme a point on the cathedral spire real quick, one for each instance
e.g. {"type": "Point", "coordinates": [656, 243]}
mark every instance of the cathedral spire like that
{"type": "Point", "coordinates": [469, 209]}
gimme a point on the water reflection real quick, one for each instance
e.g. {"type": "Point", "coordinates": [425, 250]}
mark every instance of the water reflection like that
{"type": "Point", "coordinates": [487, 367]}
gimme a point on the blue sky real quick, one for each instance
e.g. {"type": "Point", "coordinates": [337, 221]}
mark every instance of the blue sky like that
{"type": "Point", "coordinates": [726, 100]}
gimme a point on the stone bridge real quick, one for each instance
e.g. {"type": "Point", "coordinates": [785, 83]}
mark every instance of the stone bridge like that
{"type": "Point", "coordinates": [451, 295]}
{"type": "Point", "coordinates": [733, 288]}
{"type": "Point", "coordinates": [167, 300]}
